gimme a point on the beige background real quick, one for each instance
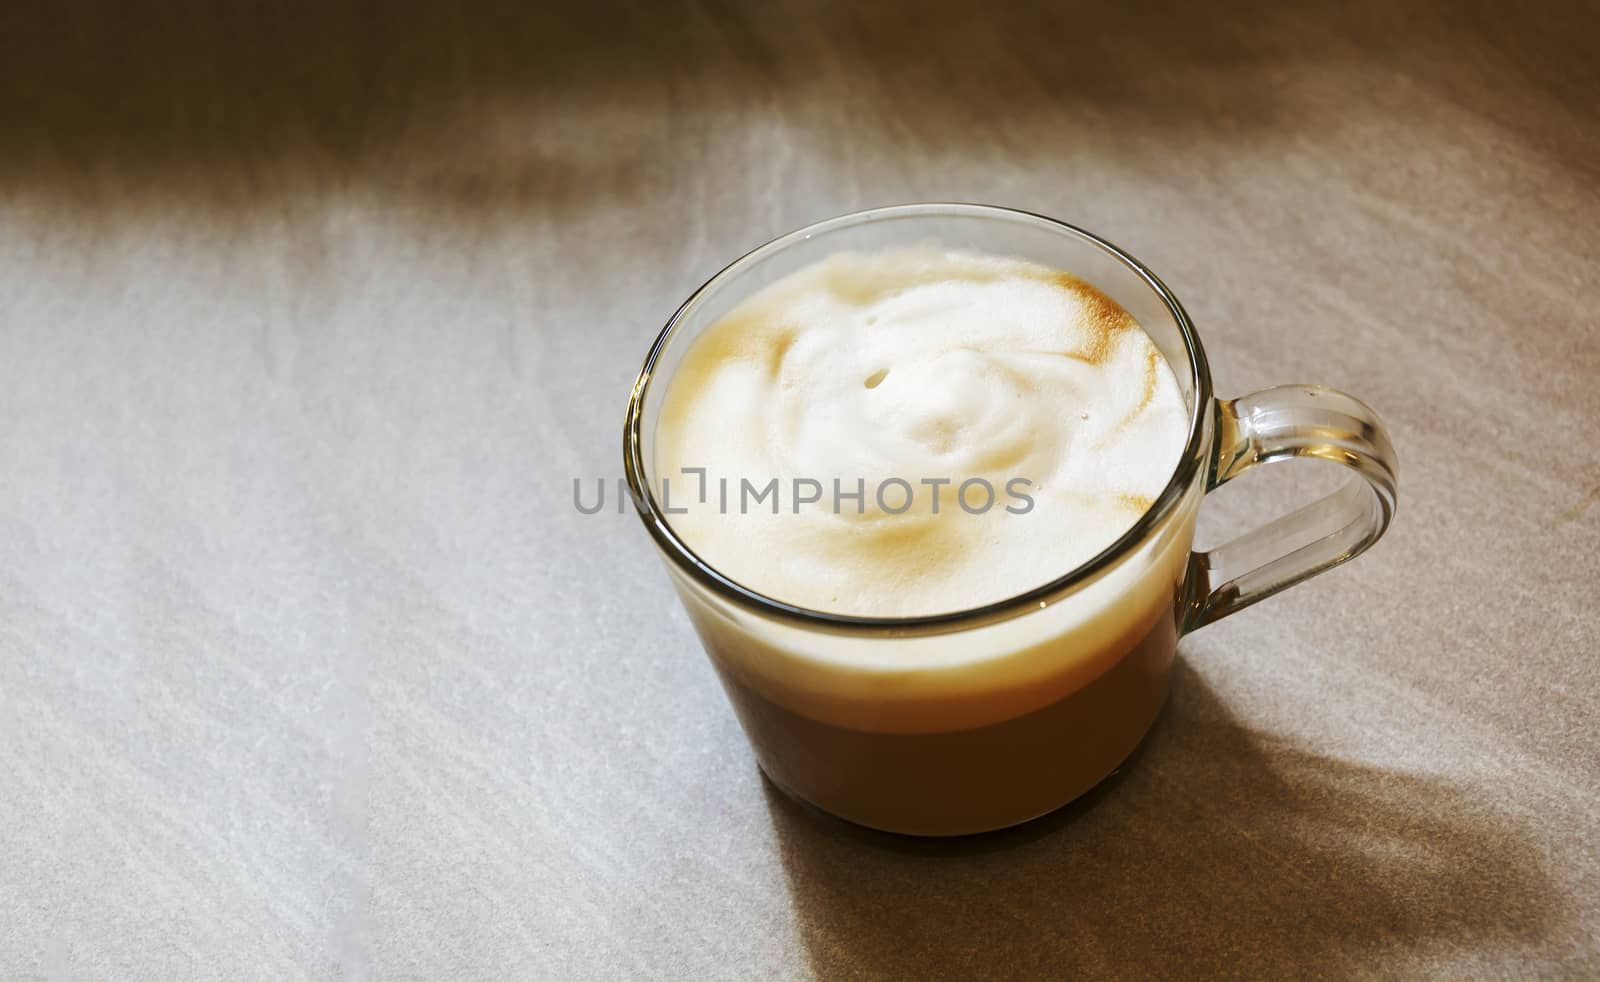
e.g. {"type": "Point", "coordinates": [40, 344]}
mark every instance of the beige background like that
{"type": "Point", "coordinates": [310, 313]}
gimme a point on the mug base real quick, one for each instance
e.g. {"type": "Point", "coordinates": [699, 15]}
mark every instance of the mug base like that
{"type": "Point", "coordinates": [1030, 826]}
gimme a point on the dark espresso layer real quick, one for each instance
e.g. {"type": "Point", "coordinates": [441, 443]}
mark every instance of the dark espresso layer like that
{"type": "Point", "coordinates": [970, 780]}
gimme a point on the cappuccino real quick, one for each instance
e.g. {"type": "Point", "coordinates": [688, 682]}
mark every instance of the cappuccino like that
{"type": "Point", "coordinates": [936, 374]}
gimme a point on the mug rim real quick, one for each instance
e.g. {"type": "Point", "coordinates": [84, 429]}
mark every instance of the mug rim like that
{"type": "Point", "coordinates": [707, 575]}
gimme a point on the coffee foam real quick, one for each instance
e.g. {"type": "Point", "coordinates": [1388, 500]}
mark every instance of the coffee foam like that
{"type": "Point", "coordinates": [918, 364]}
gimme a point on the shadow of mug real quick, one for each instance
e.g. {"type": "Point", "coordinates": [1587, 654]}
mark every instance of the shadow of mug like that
{"type": "Point", "coordinates": [1214, 851]}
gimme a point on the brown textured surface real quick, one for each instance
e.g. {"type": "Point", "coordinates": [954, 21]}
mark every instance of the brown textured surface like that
{"type": "Point", "coordinates": [309, 314]}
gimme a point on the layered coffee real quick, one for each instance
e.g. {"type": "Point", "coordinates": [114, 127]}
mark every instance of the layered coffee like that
{"type": "Point", "coordinates": [929, 431]}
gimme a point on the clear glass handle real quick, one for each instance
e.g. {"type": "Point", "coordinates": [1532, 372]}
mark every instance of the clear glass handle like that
{"type": "Point", "coordinates": [1279, 424]}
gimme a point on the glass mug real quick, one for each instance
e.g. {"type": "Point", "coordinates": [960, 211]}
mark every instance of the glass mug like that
{"type": "Point", "coordinates": [979, 719]}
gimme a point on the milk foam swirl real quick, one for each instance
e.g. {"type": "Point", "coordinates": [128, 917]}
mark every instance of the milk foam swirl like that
{"type": "Point", "coordinates": [921, 364]}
